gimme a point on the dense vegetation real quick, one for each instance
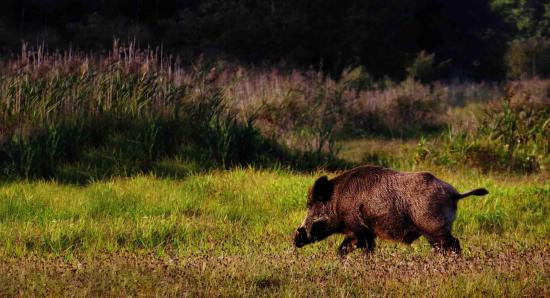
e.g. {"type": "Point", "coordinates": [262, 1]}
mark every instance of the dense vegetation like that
{"type": "Point", "coordinates": [77, 117]}
{"type": "Point", "coordinates": [468, 38]}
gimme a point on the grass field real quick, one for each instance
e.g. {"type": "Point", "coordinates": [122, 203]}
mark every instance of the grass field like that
{"type": "Point", "coordinates": [126, 173]}
{"type": "Point", "coordinates": [228, 233]}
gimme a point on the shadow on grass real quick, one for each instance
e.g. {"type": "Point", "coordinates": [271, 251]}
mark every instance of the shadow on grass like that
{"type": "Point", "coordinates": [89, 150]}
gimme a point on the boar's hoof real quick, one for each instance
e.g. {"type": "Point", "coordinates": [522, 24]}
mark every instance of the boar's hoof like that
{"type": "Point", "coordinates": [348, 245]}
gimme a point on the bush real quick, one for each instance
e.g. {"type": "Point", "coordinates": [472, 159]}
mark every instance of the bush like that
{"type": "Point", "coordinates": [405, 110]}
{"type": "Point", "coordinates": [424, 69]}
{"type": "Point", "coordinates": [358, 79]}
{"type": "Point", "coordinates": [529, 58]}
{"type": "Point", "coordinates": [514, 134]}
{"type": "Point", "coordinates": [126, 112]}
{"type": "Point", "coordinates": [308, 118]}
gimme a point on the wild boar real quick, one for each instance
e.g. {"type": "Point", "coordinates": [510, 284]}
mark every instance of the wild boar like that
{"type": "Point", "coordinates": [368, 202]}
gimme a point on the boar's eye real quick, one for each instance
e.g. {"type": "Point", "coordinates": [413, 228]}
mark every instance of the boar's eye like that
{"type": "Point", "coordinates": [319, 229]}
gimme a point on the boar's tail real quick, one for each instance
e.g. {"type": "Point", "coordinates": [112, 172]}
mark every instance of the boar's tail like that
{"type": "Point", "coordinates": [474, 192]}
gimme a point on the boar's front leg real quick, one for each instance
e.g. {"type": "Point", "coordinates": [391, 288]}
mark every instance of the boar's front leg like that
{"type": "Point", "coordinates": [347, 246]}
{"type": "Point", "coordinates": [352, 242]}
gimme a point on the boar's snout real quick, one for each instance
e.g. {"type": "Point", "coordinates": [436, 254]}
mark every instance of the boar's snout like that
{"type": "Point", "coordinates": [300, 237]}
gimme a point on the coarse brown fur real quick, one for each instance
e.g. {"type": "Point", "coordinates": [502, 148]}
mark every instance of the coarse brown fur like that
{"type": "Point", "coordinates": [368, 202]}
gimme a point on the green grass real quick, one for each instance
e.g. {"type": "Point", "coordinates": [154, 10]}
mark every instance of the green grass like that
{"type": "Point", "coordinates": [395, 153]}
{"type": "Point", "coordinates": [229, 233]}
{"type": "Point", "coordinates": [142, 193]}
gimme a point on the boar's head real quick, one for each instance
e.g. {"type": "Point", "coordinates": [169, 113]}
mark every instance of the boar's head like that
{"type": "Point", "coordinates": [318, 223]}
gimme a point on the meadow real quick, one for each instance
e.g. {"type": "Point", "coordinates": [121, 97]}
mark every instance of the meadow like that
{"type": "Point", "coordinates": [228, 233]}
{"type": "Point", "coordinates": [133, 174]}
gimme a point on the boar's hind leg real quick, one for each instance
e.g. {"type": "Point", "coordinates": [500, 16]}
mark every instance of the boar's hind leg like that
{"type": "Point", "coordinates": [445, 243]}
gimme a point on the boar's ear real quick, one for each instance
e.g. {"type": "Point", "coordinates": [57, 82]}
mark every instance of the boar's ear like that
{"type": "Point", "coordinates": [322, 189]}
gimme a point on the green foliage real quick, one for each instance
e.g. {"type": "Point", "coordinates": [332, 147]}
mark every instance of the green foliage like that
{"type": "Point", "coordinates": [529, 58]}
{"type": "Point", "coordinates": [528, 18]}
{"type": "Point", "coordinates": [79, 119]}
{"type": "Point", "coordinates": [312, 116]}
{"type": "Point", "coordinates": [75, 119]}
{"type": "Point", "coordinates": [514, 135]}
{"type": "Point", "coordinates": [398, 110]}
{"type": "Point", "coordinates": [410, 114]}
{"type": "Point", "coordinates": [424, 68]}
{"type": "Point", "coordinates": [358, 79]}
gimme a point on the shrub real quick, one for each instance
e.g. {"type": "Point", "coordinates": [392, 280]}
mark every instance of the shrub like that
{"type": "Point", "coordinates": [424, 69]}
{"type": "Point", "coordinates": [529, 58]}
{"type": "Point", "coordinates": [404, 110]}
{"type": "Point", "coordinates": [514, 134]}
{"type": "Point", "coordinates": [122, 113]}
{"type": "Point", "coordinates": [307, 118]}
{"type": "Point", "coordinates": [358, 79]}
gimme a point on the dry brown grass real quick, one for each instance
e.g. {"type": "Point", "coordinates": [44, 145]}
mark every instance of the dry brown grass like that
{"type": "Point", "coordinates": [509, 272]}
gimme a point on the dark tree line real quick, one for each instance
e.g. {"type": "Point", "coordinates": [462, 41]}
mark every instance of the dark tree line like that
{"type": "Point", "coordinates": [383, 35]}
